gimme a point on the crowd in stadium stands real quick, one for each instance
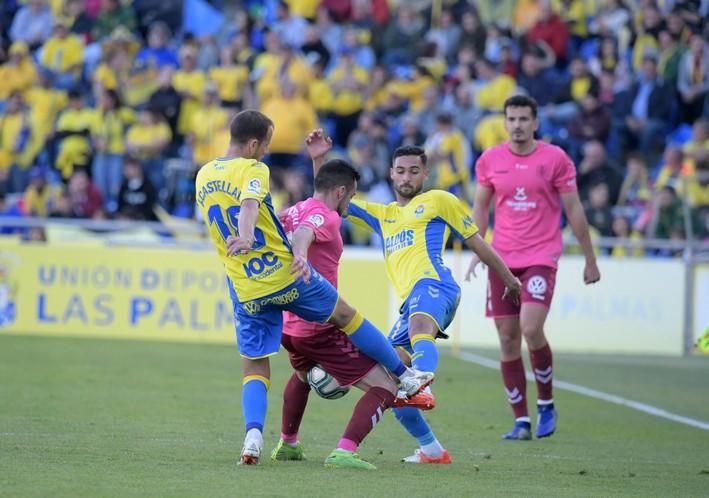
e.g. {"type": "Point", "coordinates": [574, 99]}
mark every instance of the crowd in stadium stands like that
{"type": "Point", "coordinates": [108, 107]}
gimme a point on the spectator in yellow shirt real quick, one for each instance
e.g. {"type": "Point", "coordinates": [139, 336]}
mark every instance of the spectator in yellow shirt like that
{"type": "Point", "coordinates": [209, 123]}
{"type": "Point", "coordinates": [449, 153]}
{"type": "Point", "coordinates": [147, 140]}
{"type": "Point", "coordinates": [348, 82]}
{"type": "Point", "coordinates": [232, 80]}
{"type": "Point", "coordinates": [63, 54]}
{"type": "Point", "coordinates": [40, 197]}
{"type": "Point", "coordinates": [295, 117]}
{"type": "Point", "coordinates": [73, 130]}
{"type": "Point", "coordinates": [18, 147]}
{"type": "Point", "coordinates": [45, 103]}
{"type": "Point", "coordinates": [18, 73]}
{"type": "Point", "coordinates": [496, 88]}
{"type": "Point", "coordinates": [189, 83]}
{"type": "Point", "coordinates": [107, 131]}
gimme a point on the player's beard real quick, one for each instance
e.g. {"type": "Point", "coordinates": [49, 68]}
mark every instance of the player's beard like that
{"type": "Point", "coordinates": [410, 192]}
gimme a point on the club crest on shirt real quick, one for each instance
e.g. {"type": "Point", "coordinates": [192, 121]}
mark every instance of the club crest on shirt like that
{"type": "Point", "coordinates": [317, 220]}
{"type": "Point", "coordinates": [419, 210]}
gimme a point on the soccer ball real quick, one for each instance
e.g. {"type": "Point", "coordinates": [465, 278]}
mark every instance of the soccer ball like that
{"type": "Point", "coordinates": [324, 384]}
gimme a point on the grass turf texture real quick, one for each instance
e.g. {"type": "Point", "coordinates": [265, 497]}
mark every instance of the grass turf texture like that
{"type": "Point", "coordinates": [117, 418]}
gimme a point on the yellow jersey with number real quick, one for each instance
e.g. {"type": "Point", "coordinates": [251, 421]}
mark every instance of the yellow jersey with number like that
{"type": "Point", "coordinates": [414, 236]}
{"type": "Point", "coordinates": [221, 186]}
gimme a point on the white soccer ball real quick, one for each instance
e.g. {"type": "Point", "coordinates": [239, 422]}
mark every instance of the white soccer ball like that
{"type": "Point", "coordinates": [324, 384]}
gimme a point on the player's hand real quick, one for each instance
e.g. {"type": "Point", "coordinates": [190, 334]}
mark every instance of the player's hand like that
{"type": "Point", "coordinates": [238, 245]}
{"type": "Point", "coordinates": [591, 273]}
{"type": "Point", "coordinates": [471, 268]}
{"type": "Point", "coordinates": [317, 144]}
{"type": "Point", "coordinates": [513, 290]}
{"type": "Point", "coordinates": [301, 267]}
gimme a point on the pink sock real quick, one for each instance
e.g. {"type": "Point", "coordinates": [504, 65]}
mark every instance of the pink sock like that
{"type": "Point", "coordinates": [347, 445]}
{"type": "Point", "coordinates": [290, 438]}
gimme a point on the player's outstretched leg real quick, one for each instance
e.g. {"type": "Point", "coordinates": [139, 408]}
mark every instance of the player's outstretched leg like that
{"type": "Point", "coordinates": [295, 399]}
{"type": "Point", "coordinates": [254, 402]}
{"type": "Point", "coordinates": [374, 344]}
{"type": "Point", "coordinates": [430, 449]}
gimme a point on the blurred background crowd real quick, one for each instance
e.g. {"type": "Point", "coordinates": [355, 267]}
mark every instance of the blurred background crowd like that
{"type": "Point", "coordinates": [108, 107]}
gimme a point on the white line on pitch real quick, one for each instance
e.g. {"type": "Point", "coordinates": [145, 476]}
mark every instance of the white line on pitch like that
{"type": "Point", "coordinates": [592, 393]}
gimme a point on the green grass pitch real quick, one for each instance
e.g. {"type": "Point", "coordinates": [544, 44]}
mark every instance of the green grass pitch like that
{"type": "Point", "coordinates": [117, 418]}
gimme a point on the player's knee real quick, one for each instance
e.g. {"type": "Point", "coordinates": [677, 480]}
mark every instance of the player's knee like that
{"type": "Point", "coordinates": [510, 343]}
{"type": "Point", "coordinates": [342, 314]}
{"type": "Point", "coordinates": [422, 325]}
{"type": "Point", "coordinates": [532, 333]}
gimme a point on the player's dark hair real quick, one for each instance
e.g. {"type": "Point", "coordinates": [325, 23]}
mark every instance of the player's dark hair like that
{"type": "Point", "coordinates": [521, 101]}
{"type": "Point", "coordinates": [336, 173]}
{"type": "Point", "coordinates": [410, 150]}
{"type": "Point", "coordinates": [249, 124]}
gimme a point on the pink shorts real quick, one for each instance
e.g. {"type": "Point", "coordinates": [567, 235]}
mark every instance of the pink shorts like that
{"type": "Point", "coordinates": [333, 351]}
{"type": "Point", "coordinates": [537, 287]}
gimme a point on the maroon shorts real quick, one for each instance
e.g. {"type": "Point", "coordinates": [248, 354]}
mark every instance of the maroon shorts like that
{"type": "Point", "coordinates": [537, 287]}
{"type": "Point", "coordinates": [333, 351]}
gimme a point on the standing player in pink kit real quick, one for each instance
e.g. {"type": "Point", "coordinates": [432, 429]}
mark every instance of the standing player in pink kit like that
{"type": "Point", "coordinates": [531, 181]}
{"type": "Point", "coordinates": [314, 225]}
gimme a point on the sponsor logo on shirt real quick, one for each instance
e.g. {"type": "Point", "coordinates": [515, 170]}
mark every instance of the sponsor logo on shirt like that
{"type": "Point", "coordinates": [254, 186]}
{"type": "Point", "coordinates": [399, 241]}
{"type": "Point", "coordinates": [521, 166]}
{"type": "Point", "coordinates": [389, 220]}
{"type": "Point", "coordinates": [253, 307]}
{"type": "Point", "coordinates": [520, 202]}
{"type": "Point", "coordinates": [262, 266]}
{"type": "Point", "coordinates": [537, 287]}
{"type": "Point", "coordinates": [317, 220]}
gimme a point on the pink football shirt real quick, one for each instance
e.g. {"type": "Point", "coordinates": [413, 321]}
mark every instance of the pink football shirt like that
{"type": "Point", "coordinates": [527, 228]}
{"type": "Point", "coordinates": [324, 253]}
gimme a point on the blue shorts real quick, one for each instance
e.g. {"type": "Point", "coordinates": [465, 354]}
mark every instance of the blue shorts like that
{"type": "Point", "coordinates": [260, 321]}
{"type": "Point", "coordinates": [433, 298]}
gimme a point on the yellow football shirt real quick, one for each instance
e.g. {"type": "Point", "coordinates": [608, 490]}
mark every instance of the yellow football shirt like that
{"type": "Point", "coordinates": [221, 186]}
{"type": "Point", "coordinates": [414, 236]}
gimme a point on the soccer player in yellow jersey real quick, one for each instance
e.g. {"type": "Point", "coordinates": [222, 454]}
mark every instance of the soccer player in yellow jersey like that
{"type": "Point", "coordinates": [414, 231]}
{"type": "Point", "coordinates": [265, 278]}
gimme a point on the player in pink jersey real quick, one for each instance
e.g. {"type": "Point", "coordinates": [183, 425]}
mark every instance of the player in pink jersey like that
{"type": "Point", "coordinates": [531, 181]}
{"type": "Point", "coordinates": [314, 226]}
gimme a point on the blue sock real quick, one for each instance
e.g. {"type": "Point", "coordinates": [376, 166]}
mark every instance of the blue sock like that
{"type": "Point", "coordinates": [425, 357]}
{"type": "Point", "coordinates": [254, 401]}
{"type": "Point", "coordinates": [415, 424]}
{"type": "Point", "coordinates": [373, 343]}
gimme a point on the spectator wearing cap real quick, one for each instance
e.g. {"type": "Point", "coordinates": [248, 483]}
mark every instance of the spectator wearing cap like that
{"type": "Point", "coordinates": [113, 14]}
{"type": "Point", "coordinates": [693, 80]}
{"type": "Point", "coordinates": [63, 55]}
{"type": "Point", "coordinates": [348, 83]}
{"type": "Point", "coordinates": [189, 83]}
{"type": "Point", "coordinates": [295, 118]}
{"type": "Point", "coordinates": [40, 196]}
{"type": "Point", "coordinates": [107, 132]}
{"type": "Point", "coordinates": [449, 157]}
{"type": "Point", "coordinates": [645, 109]}
{"type": "Point", "coordinates": [231, 79]}
{"type": "Point", "coordinates": [32, 24]}
{"type": "Point", "coordinates": [18, 73]}
{"type": "Point", "coordinates": [147, 140]}
{"type": "Point", "coordinates": [18, 145]}
{"type": "Point", "coordinates": [137, 197]}
{"type": "Point", "coordinates": [209, 127]}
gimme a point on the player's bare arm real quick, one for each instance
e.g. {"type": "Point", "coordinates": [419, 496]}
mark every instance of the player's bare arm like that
{"type": "Point", "coordinates": [481, 210]}
{"type": "Point", "coordinates": [577, 219]}
{"type": "Point", "coordinates": [302, 238]}
{"type": "Point", "coordinates": [247, 223]}
{"type": "Point", "coordinates": [317, 145]}
{"type": "Point", "coordinates": [483, 250]}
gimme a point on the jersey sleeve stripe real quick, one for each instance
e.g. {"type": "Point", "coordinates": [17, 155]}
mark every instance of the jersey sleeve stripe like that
{"type": "Point", "coordinates": [358, 212]}
{"type": "Point", "coordinates": [435, 231]}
